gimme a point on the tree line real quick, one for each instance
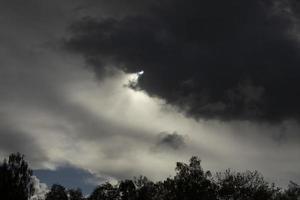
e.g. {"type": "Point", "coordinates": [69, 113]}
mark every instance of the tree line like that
{"type": "Point", "coordinates": [190, 182]}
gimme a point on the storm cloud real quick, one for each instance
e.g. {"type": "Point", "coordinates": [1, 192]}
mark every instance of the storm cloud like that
{"type": "Point", "coordinates": [211, 59]}
{"type": "Point", "coordinates": [172, 141]}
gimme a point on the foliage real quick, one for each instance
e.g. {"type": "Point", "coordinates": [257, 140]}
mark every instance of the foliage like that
{"type": "Point", "coordinates": [190, 182]}
{"type": "Point", "coordinates": [75, 194]}
{"type": "Point", "coordinates": [57, 192]}
{"type": "Point", "coordinates": [245, 186]}
{"type": "Point", "coordinates": [15, 178]}
{"type": "Point", "coordinates": [105, 191]}
{"type": "Point", "coordinates": [292, 193]}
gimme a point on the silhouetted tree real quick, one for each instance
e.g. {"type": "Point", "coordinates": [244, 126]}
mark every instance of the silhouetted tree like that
{"type": "Point", "coordinates": [127, 190]}
{"type": "Point", "coordinates": [57, 192]}
{"type": "Point", "coordinates": [189, 183]}
{"type": "Point", "coordinates": [15, 178]}
{"type": "Point", "coordinates": [244, 186]}
{"type": "Point", "coordinates": [105, 191]}
{"type": "Point", "coordinates": [75, 194]}
{"type": "Point", "coordinates": [292, 193]}
{"type": "Point", "coordinates": [166, 190]}
{"type": "Point", "coordinates": [192, 182]}
{"type": "Point", "coordinates": [146, 190]}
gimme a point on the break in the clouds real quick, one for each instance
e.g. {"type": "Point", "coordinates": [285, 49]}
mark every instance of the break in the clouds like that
{"type": "Point", "coordinates": [69, 177]}
{"type": "Point", "coordinates": [212, 59]}
{"type": "Point", "coordinates": [225, 60]}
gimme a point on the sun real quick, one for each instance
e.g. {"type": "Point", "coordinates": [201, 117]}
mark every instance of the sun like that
{"type": "Point", "coordinates": [134, 78]}
{"type": "Point", "coordinates": [140, 73]}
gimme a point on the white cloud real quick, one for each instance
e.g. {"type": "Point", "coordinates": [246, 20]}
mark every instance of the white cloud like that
{"type": "Point", "coordinates": [41, 189]}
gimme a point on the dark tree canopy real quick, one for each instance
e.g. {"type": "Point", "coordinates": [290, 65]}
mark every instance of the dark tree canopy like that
{"type": "Point", "coordinates": [292, 193]}
{"type": "Point", "coordinates": [247, 185]}
{"type": "Point", "coordinates": [127, 190]}
{"type": "Point", "coordinates": [104, 192]}
{"type": "Point", "coordinates": [190, 182]}
{"type": "Point", "coordinates": [146, 189]}
{"type": "Point", "coordinates": [57, 192]}
{"type": "Point", "coordinates": [75, 194]}
{"type": "Point", "coordinates": [15, 178]}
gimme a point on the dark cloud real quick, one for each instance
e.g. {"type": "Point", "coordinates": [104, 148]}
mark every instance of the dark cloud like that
{"type": "Point", "coordinates": [212, 59]}
{"type": "Point", "coordinates": [209, 61]}
{"type": "Point", "coordinates": [172, 141]}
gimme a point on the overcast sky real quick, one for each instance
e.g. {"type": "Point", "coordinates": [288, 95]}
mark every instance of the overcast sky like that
{"type": "Point", "coordinates": [112, 90]}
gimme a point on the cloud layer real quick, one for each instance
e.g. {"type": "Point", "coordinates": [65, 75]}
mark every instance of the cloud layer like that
{"type": "Point", "coordinates": [212, 59]}
{"type": "Point", "coordinates": [55, 110]}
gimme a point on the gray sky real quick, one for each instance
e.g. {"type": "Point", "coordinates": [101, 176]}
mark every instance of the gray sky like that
{"type": "Point", "coordinates": [60, 109]}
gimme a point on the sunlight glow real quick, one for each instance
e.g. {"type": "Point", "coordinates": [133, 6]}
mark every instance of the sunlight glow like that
{"type": "Point", "coordinates": [134, 78]}
{"type": "Point", "coordinates": [141, 72]}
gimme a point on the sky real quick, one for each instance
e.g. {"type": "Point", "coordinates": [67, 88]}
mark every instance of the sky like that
{"type": "Point", "coordinates": [94, 91]}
